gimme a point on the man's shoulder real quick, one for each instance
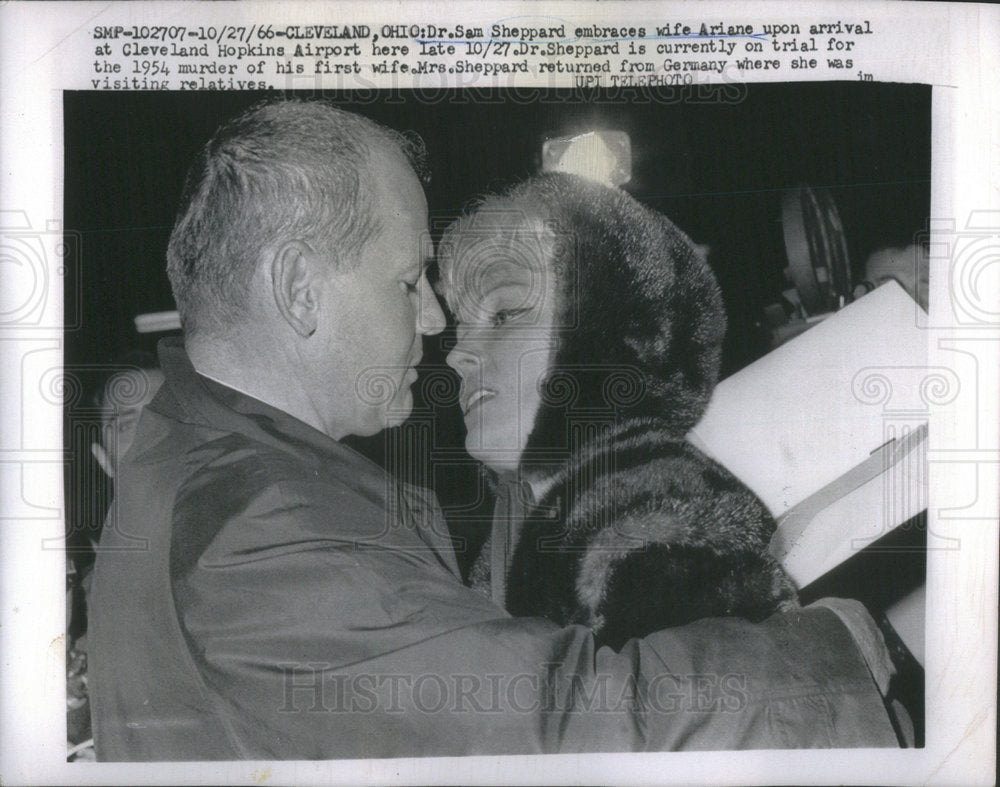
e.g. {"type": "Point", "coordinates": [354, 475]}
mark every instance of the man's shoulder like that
{"type": "Point", "coordinates": [228, 497]}
{"type": "Point", "coordinates": [230, 463]}
{"type": "Point", "coordinates": [245, 495]}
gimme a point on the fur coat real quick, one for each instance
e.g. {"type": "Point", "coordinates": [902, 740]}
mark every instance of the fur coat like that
{"type": "Point", "coordinates": [634, 529]}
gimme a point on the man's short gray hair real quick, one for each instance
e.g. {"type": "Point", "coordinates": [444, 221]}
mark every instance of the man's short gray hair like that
{"type": "Point", "coordinates": [280, 170]}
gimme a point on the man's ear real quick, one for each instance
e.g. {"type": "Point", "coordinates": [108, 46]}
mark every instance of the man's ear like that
{"type": "Point", "coordinates": [102, 458]}
{"type": "Point", "coordinates": [295, 284]}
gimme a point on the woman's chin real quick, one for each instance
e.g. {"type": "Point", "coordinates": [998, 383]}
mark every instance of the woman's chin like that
{"type": "Point", "coordinates": [500, 460]}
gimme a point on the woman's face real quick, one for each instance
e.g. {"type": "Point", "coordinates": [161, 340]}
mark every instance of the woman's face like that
{"type": "Point", "coordinates": [503, 297]}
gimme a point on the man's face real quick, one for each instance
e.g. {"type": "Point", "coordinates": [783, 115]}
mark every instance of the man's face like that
{"type": "Point", "coordinates": [504, 301]}
{"type": "Point", "coordinates": [378, 310]}
{"type": "Point", "coordinates": [125, 394]}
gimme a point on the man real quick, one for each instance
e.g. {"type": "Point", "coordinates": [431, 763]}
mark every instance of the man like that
{"type": "Point", "coordinates": [124, 388]}
{"type": "Point", "coordinates": [127, 385]}
{"type": "Point", "coordinates": [296, 602]}
{"type": "Point", "coordinates": [909, 266]}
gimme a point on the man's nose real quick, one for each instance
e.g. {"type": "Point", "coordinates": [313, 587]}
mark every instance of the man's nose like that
{"type": "Point", "coordinates": [430, 319]}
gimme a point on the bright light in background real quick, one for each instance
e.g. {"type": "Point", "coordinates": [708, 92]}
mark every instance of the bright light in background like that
{"type": "Point", "coordinates": [156, 322]}
{"type": "Point", "coordinates": [604, 156]}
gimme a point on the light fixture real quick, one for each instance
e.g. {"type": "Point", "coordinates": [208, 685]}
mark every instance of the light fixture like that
{"type": "Point", "coordinates": [157, 322]}
{"type": "Point", "coordinates": [604, 156]}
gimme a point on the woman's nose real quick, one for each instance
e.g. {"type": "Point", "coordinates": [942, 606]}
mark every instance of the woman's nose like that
{"type": "Point", "coordinates": [462, 358]}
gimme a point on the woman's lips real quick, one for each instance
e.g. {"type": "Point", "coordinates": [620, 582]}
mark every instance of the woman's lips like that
{"type": "Point", "coordinates": [477, 398]}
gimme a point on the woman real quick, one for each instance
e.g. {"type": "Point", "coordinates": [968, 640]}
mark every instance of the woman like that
{"type": "Point", "coordinates": [588, 343]}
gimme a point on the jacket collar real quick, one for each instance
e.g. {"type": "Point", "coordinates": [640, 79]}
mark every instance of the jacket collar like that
{"type": "Point", "coordinates": [193, 398]}
{"type": "Point", "coordinates": [190, 397]}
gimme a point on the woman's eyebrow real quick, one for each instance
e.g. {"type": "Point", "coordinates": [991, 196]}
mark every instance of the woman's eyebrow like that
{"type": "Point", "coordinates": [523, 291]}
{"type": "Point", "coordinates": [506, 285]}
{"type": "Point", "coordinates": [468, 306]}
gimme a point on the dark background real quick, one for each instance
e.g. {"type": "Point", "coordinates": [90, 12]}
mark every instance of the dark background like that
{"type": "Point", "coordinates": [717, 162]}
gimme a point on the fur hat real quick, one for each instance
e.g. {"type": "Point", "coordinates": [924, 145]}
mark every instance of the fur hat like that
{"type": "Point", "coordinates": [640, 312]}
{"type": "Point", "coordinates": [639, 318]}
{"type": "Point", "coordinates": [634, 529]}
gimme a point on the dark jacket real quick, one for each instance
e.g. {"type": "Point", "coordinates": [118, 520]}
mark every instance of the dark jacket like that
{"type": "Point", "coordinates": [262, 591]}
{"type": "Point", "coordinates": [634, 529]}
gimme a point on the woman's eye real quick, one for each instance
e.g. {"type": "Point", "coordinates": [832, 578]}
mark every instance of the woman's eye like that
{"type": "Point", "coordinates": [503, 316]}
{"type": "Point", "coordinates": [411, 287]}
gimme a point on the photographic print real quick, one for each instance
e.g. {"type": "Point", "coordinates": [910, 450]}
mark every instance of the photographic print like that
{"type": "Point", "coordinates": [483, 396]}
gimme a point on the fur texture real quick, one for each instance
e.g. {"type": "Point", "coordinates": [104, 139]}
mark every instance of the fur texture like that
{"type": "Point", "coordinates": [636, 529]}
{"type": "Point", "coordinates": [640, 531]}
